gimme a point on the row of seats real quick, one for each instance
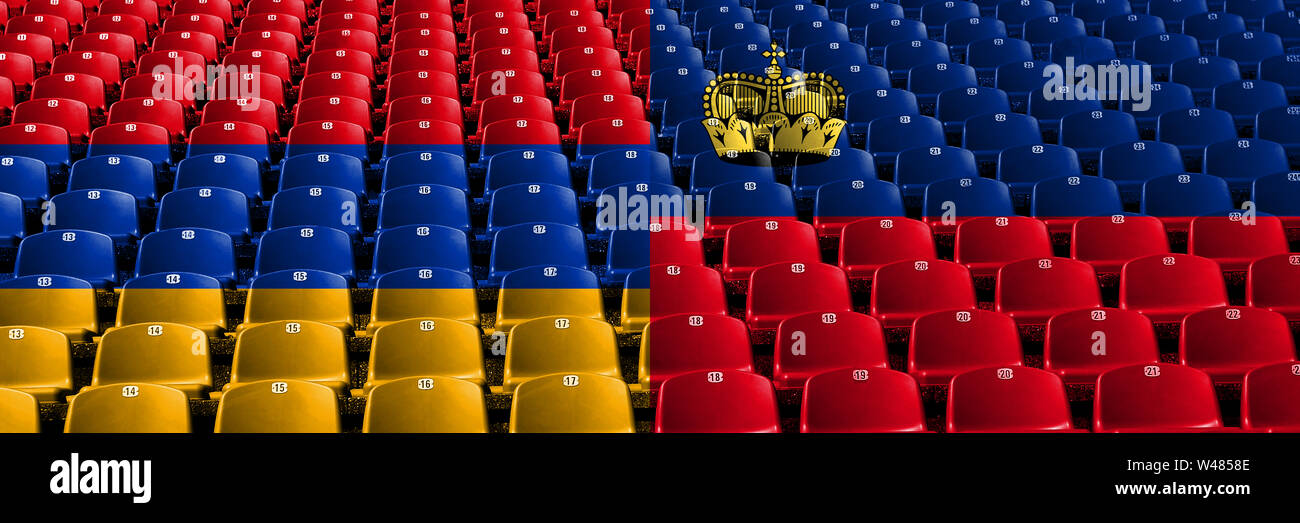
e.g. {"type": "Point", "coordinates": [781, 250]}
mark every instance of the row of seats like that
{"type": "Point", "coordinates": [1150, 397]}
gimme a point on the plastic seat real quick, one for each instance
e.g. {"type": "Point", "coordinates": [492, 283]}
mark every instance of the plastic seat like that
{"type": "Point", "coordinates": [255, 111]}
{"type": "Point", "coordinates": [1208, 27]}
{"type": "Point", "coordinates": [987, 54]}
{"type": "Point", "coordinates": [862, 14]}
{"type": "Point", "coordinates": [881, 33]}
{"type": "Point", "coordinates": [691, 289]}
{"type": "Point", "coordinates": [423, 293]}
{"type": "Point", "coordinates": [215, 208]}
{"type": "Point", "coordinates": [615, 167]}
{"type": "Point", "coordinates": [1019, 80]}
{"type": "Point", "coordinates": [1264, 403]}
{"type": "Point", "coordinates": [531, 202]}
{"type": "Point", "coordinates": [750, 245]}
{"type": "Point", "coordinates": [1087, 49]}
{"type": "Point", "coordinates": [128, 407]}
{"type": "Point", "coordinates": [129, 174]}
{"type": "Point", "coordinates": [317, 248]}
{"type": "Point", "coordinates": [1024, 166]}
{"type": "Point", "coordinates": [1227, 342]}
{"type": "Point", "coordinates": [1061, 202]}
{"type": "Point", "coordinates": [528, 244]}
{"type": "Point", "coordinates": [861, 400]}
{"type": "Point", "coordinates": [534, 292]}
{"type": "Point", "coordinates": [38, 361]}
{"type": "Point", "coordinates": [687, 343]}
{"type": "Point", "coordinates": [1246, 99]}
{"type": "Point", "coordinates": [284, 21]}
{"type": "Point", "coordinates": [19, 412]}
{"type": "Point", "coordinates": [25, 178]}
{"type": "Point", "coordinates": [167, 354]}
{"type": "Point", "coordinates": [900, 57]}
{"type": "Point", "coordinates": [1032, 291]}
{"type": "Point", "coordinates": [37, 46]}
{"type": "Point", "coordinates": [423, 204]}
{"type": "Point", "coordinates": [278, 405]}
{"type": "Point", "coordinates": [167, 114]}
{"type": "Point", "coordinates": [578, 83]}
{"type": "Point", "coordinates": [1235, 241]}
{"type": "Point", "coordinates": [1167, 287]}
{"type": "Point", "coordinates": [775, 292]}
{"type": "Point", "coordinates": [201, 251]}
{"type": "Point", "coordinates": [316, 206]}
{"type": "Point", "coordinates": [328, 136]}
{"type": "Point", "coordinates": [71, 115]}
{"type": "Point", "coordinates": [440, 108]}
{"type": "Point", "coordinates": [1173, 12]}
{"type": "Point", "coordinates": [1203, 73]}
{"type": "Point", "coordinates": [947, 343]}
{"type": "Point", "coordinates": [1082, 344]}
{"type": "Point", "coordinates": [717, 401]}
{"type": "Point", "coordinates": [821, 56]}
{"type": "Point", "coordinates": [571, 403]}
{"type": "Point", "coordinates": [1108, 242]}
{"type": "Point", "coordinates": [434, 404]}
{"type": "Point", "coordinates": [985, 244]}
{"type": "Point", "coordinates": [1155, 398]}
{"type": "Point", "coordinates": [1165, 49]}
{"type": "Point", "coordinates": [1090, 132]}
{"type": "Point", "coordinates": [708, 171]}
{"type": "Point", "coordinates": [1007, 399]}
{"type": "Point", "coordinates": [903, 290]}
{"type": "Point", "coordinates": [1124, 29]}
{"type": "Point", "coordinates": [949, 202]}
{"type": "Point", "coordinates": [363, 41]}
{"type": "Point", "coordinates": [887, 137]}
{"type": "Point", "coordinates": [812, 171]}
{"type": "Point", "coordinates": [425, 347]}
{"type": "Point", "coordinates": [1131, 165]}
{"type": "Point", "coordinates": [870, 243]}
{"type": "Point", "coordinates": [81, 254]}
{"type": "Point", "coordinates": [1044, 30]}
{"type": "Point", "coordinates": [144, 140]}
{"type": "Point", "coordinates": [340, 108]}
{"type": "Point", "coordinates": [347, 60]}
{"type": "Point", "coordinates": [863, 107]}
{"type": "Point", "coordinates": [954, 106]}
{"type": "Point", "coordinates": [987, 135]}
{"type": "Point", "coordinates": [735, 202]}
{"type": "Point", "coordinates": [243, 138]}
{"type": "Point", "coordinates": [298, 294]}
{"type": "Point", "coordinates": [553, 344]}
{"type": "Point", "coordinates": [323, 169]}
{"type": "Point", "coordinates": [1050, 107]}
{"type": "Point", "coordinates": [1249, 48]}
{"type": "Point", "coordinates": [174, 297]}
{"type": "Point", "coordinates": [837, 340]}
{"type": "Point", "coordinates": [1178, 198]}
{"type": "Point", "coordinates": [44, 142]}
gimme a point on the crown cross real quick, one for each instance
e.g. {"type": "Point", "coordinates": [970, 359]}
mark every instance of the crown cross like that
{"type": "Point", "coordinates": [774, 53]}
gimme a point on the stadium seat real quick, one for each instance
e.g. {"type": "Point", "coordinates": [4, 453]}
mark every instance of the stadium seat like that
{"type": "Point", "coordinates": [1167, 287]}
{"type": "Point", "coordinates": [616, 167]}
{"type": "Point", "coordinates": [1022, 167]}
{"type": "Point", "coordinates": [215, 208]}
{"type": "Point", "coordinates": [749, 245]}
{"type": "Point", "coordinates": [1242, 160]}
{"type": "Point", "coordinates": [323, 169]}
{"type": "Point", "coordinates": [1081, 344]}
{"type": "Point", "coordinates": [426, 346]}
{"type": "Point", "coordinates": [577, 402]}
{"type": "Point", "coordinates": [26, 178]}
{"type": "Point", "coordinates": [297, 349]}
{"type": "Point", "coordinates": [1032, 291]}
{"type": "Point", "coordinates": [686, 343]}
{"type": "Point", "coordinates": [38, 361]}
{"type": "Point", "coordinates": [1264, 398]}
{"type": "Point", "coordinates": [1178, 198]}
{"type": "Point", "coordinates": [317, 206]}
{"type": "Point", "coordinates": [60, 303]}
{"type": "Point", "coordinates": [775, 292]}
{"type": "Point", "coordinates": [243, 138]}
{"type": "Point", "coordinates": [423, 205]}
{"type": "Point", "coordinates": [1109, 242]}
{"type": "Point", "coordinates": [907, 289]}
{"type": "Point", "coordinates": [72, 116]}
{"type": "Point", "coordinates": [80, 254]}
{"type": "Point", "coordinates": [1155, 398]}
{"type": "Point", "coordinates": [317, 248]}
{"type": "Point", "coordinates": [425, 167]}
{"type": "Point", "coordinates": [1131, 165]}
{"type": "Point", "coordinates": [870, 243]}
{"type": "Point", "coordinates": [689, 288]}
{"type": "Point", "coordinates": [278, 405]}
{"type": "Point", "coordinates": [423, 293]}
{"type": "Point", "coordinates": [987, 135]}
{"type": "Point", "coordinates": [717, 401]}
{"type": "Point", "coordinates": [947, 343]}
{"type": "Point", "coordinates": [1227, 342]}
{"type": "Point", "coordinates": [182, 298]}
{"type": "Point", "coordinates": [987, 243]}
{"type": "Point", "coordinates": [952, 201]}
{"type": "Point", "coordinates": [11, 220]}
{"type": "Point", "coordinates": [1235, 241]}
{"type": "Point", "coordinates": [861, 400]}
{"type": "Point", "coordinates": [836, 340]}
{"type": "Point", "coordinates": [708, 170]}
{"type": "Point", "coordinates": [553, 344]}
{"type": "Point", "coordinates": [1060, 202]}
{"type": "Point", "coordinates": [531, 202]}
{"type": "Point", "coordinates": [129, 174]}
{"type": "Point", "coordinates": [732, 203]}
{"type": "Point", "coordinates": [1091, 131]}
{"type": "Point", "coordinates": [534, 292]}
{"type": "Point", "coordinates": [327, 136]}
{"type": "Point", "coordinates": [954, 106]}
{"type": "Point", "coordinates": [408, 246]}
{"type": "Point", "coordinates": [1007, 399]}
{"type": "Point", "coordinates": [128, 407]}
{"type": "Point", "coordinates": [167, 354]}
{"type": "Point", "coordinates": [841, 202]}
{"type": "Point", "coordinates": [1247, 98]}
{"type": "Point", "coordinates": [201, 251]}
{"type": "Point", "coordinates": [529, 244]}
{"type": "Point", "coordinates": [168, 114]}
{"type": "Point", "coordinates": [434, 404]}
{"type": "Point", "coordinates": [298, 294]}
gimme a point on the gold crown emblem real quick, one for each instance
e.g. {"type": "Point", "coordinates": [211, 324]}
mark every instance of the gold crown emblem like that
{"type": "Point", "coordinates": [746, 112]}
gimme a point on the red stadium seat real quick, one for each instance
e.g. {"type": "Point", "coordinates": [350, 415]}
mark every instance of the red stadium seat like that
{"type": "Point", "coordinates": [947, 343]}
{"type": "Point", "coordinates": [1007, 399]}
{"type": "Point", "coordinates": [1108, 242]}
{"type": "Point", "coordinates": [425, 108]}
{"type": "Point", "coordinates": [164, 86]}
{"type": "Point", "coordinates": [70, 115]}
{"type": "Point", "coordinates": [605, 134]}
{"type": "Point", "coordinates": [672, 241]}
{"type": "Point", "coordinates": [505, 135]}
{"type": "Point", "coordinates": [554, 21]}
{"type": "Point", "coordinates": [781, 290]}
{"type": "Point", "coordinates": [18, 68]}
{"type": "Point", "coordinates": [717, 401]}
{"type": "Point", "coordinates": [87, 89]}
{"type": "Point", "coordinates": [355, 21]}
{"type": "Point", "coordinates": [422, 60]}
{"type": "Point", "coordinates": [581, 58]}
{"type": "Point", "coordinates": [870, 243]}
{"type": "Point", "coordinates": [500, 59]}
{"type": "Point", "coordinates": [270, 41]}
{"type": "Point", "coordinates": [472, 7]}
{"type": "Point", "coordinates": [248, 85]}
{"type": "Point", "coordinates": [509, 81]}
{"type": "Point", "coordinates": [119, 45]}
{"type": "Point", "coordinates": [70, 10]}
{"type": "Point", "coordinates": [236, 136]}
{"type": "Point", "coordinates": [422, 83]}
{"type": "Point", "coordinates": [754, 243]}
{"type": "Point", "coordinates": [280, 22]}
{"type": "Point", "coordinates": [146, 140]}
{"type": "Point", "coordinates": [679, 289]}
{"type": "Point", "coordinates": [1155, 398]}
{"type": "Point", "coordinates": [861, 400]}
{"type": "Point", "coordinates": [168, 114]}
{"type": "Point", "coordinates": [39, 47]}
{"type": "Point", "coordinates": [513, 107]}
{"type": "Point", "coordinates": [432, 134]}
{"type": "Point", "coordinates": [492, 20]}
{"type": "Point", "coordinates": [8, 95]}
{"type": "Point", "coordinates": [273, 63]}
{"type": "Point", "coordinates": [1167, 287]}
{"type": "Point", "coordinates": [511, 37]}
{"type": "Point", "coordinates": [904, 290]}
{"type": "Point", "coordinates": [1034, 289]}
{"type": "Point", "coordinates": [428, 20]}
{"type": "Point", "coordinates": [815, 342]}
{"type": "Point", "coordinates": [569, 36]}
{"type": "Point", "coordinates": [1273, 283]}
{"type": "Point", "coordinates": [1082, 344]}
{"type": "Point", "coordinates": [202, 43]}
{"type": "Point", "coordinates": [340, 108]}
{"type": "Point", "coordinates": [686, 343]}
{"type": "Point", "coordinates": [590, 81]}
{"type": "Point", "coordinates": [50, 137]}
{"type": "Point", "coordinates": [425, 39]}
{"type": "Point", "coordinates": [596, 106]}
{"type": "Point", "coordinates": [342, 60]}
{"type": "Point", "coordinates": [188, 64]}
{"type": "Point", "coordinates": [1227, 342]}
{"type": "Point", "coordinates": [295, 8]}
{"type": "Point", "coordinates": [131, 25]}
{"type": "Point", "coordinates": [347, 39]}
{"type": "Point", "coordinates": [365, 7]}
{"type": "Point", "coordinates": [99, 64]}
{"type": "Point", "coordinates": [55, 27]}
{"type": "Point", "coordinates": [415, 6]}
{"type": "Point", "coordinates": [1236, 242]}
{"type": "Point", "coordinates": [251, 110]}
{"type": "Point", "coordinates": [219, 8]}
{"type": "Point", "coordinates": [1268, 398]}
{"type": "Point", "coordinates": [987, 243]}
{"type": "Point", "coordinates": [327, 135]}
{"type": "Point", "coordinates": [147, 10]}
{"type": "Point", "coordinates": [198, 23]}
{"type": "Point", "coordinates": [545, 7]}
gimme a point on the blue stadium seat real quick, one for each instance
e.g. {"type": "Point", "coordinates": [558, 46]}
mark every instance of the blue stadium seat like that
{"type": "Point", "coordinates": [841, 202]}
{"type": "Point", "coordinates": [724, 35]}
{"type": "Point", "coordinates": [1023, 166]}
{"type": "Point", "coordinates": [1091, 131]}
{"type": "Point", "coordinates": [987, 135]}
{"type": "Point", "coordinates": [665, 83]}
{"type": "Point", "coordinates": [230, 171]}
{"type": "Point", "coordinates": [324, 206]}
{"type": "Point", "coordinates": [1130, 165]}
{"type": "Point", "coordinates": [1247, 98]}
{"type": "Point", "coordinates": [862, 107]}
{"type": "Point", "coordinates": [1193, 129]}
{"type": "Point", "coordinates": [215, 208]}
{"type": "Point", "coordinates": [986, 55]}
{"type": "Point", "coordinates": [1083, 49]}
{"type": "Point", "coordinates": [623, 192]}
{"type": "Point", "coordinates": [324, 169]}
{"type": "Point", "coordinates": [26, 178]}
{"type": "Point", "coordinates": [430, 204]}
{"type": "Point", "coordinates": [744, 57]}
{"type": "Point", "coordinates": [921, 166]}
{"type": "Point", "coordinates": [804, 33]}
{"type": "Point", "coordinates": [881, 33]}
{"type": "Point", "coordinates": [427, 168]}
{"type": "Point", "coordinates": [901, 57]}
{"type": "Point", "coordinates": [682, 108]}
{"type": "Point", "coordinates": [1123, 30]}
{"type": "Point", "coordinates": [1203, 74]}
{"type": "Point", "coordinates": [99, 210]}
{"type": "Point", "coordinates": [734, 202]}
{"type": "Point", "coordinates": [821, 56]}
{"type": "Point", "coordinates": [12, 222]}
{"type": "Point", "coordinates": [1019, 80]}
{"type": "Point", "coordinates": [525, 166]}
{"type": "Point", "coordinates": [1284, 24]}
{"type": "Point", "coordinates": [421, 246]}
{"type": "Point", "coordinates": [954, 106]}
{"type": "Point", "coordinates": [201, 251]}
{"type": "Point", "coordinates": [1285, 70]}
{"type": "Point", "coordinates": [1173, 12]}
{"type": "Point", "coordinates": [532, 202]}
{"type": "Point", "coordinates": [1064, 102]}
{"type": "Point", "coordinates": [257, 150]}
{"type": "Point", "coordinates": [122, 144]}
{"type": "Point", "coordinates": [623, 166]}
{"type": "Point", "coordinates": [691, 140]}
{"type": "Point", "coordinates": [887, 137]}
{"type": "Point", "coordinates": [129, 174]}
{"type": "Point", "coordinates": [811, 171]}
{"type": "Point", "coordinates": [964, 198]}
{"type": "Point", "coordinates": [1240, 161]}
{"type": "Point", "coordinates": [1254, 11]}
{"type": "Point", "coordinates": [1249, 48]}
{"type": "Point", "coordinates": [529, 244]}
{"type": "Point", "coordinates": [1281, 125]}
{"type": "Point", "coordinates": [927, 81]}
{"type": "Point", "coordinates": [860, 15]}
{"type": "Point", "coordinates": [1042, 31]}
{"type": "Point", "coordinates": [1178, 198]}
{"type": "Point", "coordinates": [690, 7]}
{"type": "Point", "coordinates": [713, 15]}
{"type": "Point", "coordinates": [937, 13]}
{"type": "Point", "coordinates": [1208, 27]}
{"type": "Point", "coordinates": [1278, 194]}
{"type": "Point", "coordinates": [44, 142]}
{"type": "Point", "coordinates": [962, 32]}
{"type": "Point", "coordinates": [79, 254]}
{"type": "Point", "coordinates": [1163, 50]}
{"type": "Point", "coordinates": [1164, 97]}
{"type": "Point", "coordinates": [674, 57]}
{"type": "Point", "coordinates": [317, 248]}
{"type": "Point", "coordinates": [1095, 12]}
{"type": "Point", "coordinates": [709, 170]}
{"type": "Point", "coordinates": [629, 250]}
{"type": "Point", "coordinates": [1016, 12]}
{"type": "Point", "coordinates": [1060, 201]}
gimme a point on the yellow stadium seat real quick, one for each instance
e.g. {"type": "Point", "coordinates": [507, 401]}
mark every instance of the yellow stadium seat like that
{"type": "Point", "coordinates": [19, 412]}
{"type": "Point", "coordinates": [425, 347]}
{"type": "Point", "coordinates": [426, 404]}
{"type": "Point", "coordinates": [36, 361]}
{"type": "Point", "coordinates": [635, 310]}
{"type": "Point", "coordinates": [168, 354]}
{"type": "Point", "coordinates": [128, 407]}
{"type": "Point", "coordinates": [389, 305]}
{"type": "Point", "coordinates": [325, 300]}
{"type": "Point", "coordinates": [278, 406]}
{"type": "Point", "coordinates": [577, 402]}
{"type": "Point", "coordinates": [301, 350]}
{"type": "Point", "coordinates": [560, 344]}
{"type": "Point", "coordinates": [534, 292]}
{"type": "Point", "coordinates": [187, 299]}
{"type": "Point", "coordinates": [59, 303]}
